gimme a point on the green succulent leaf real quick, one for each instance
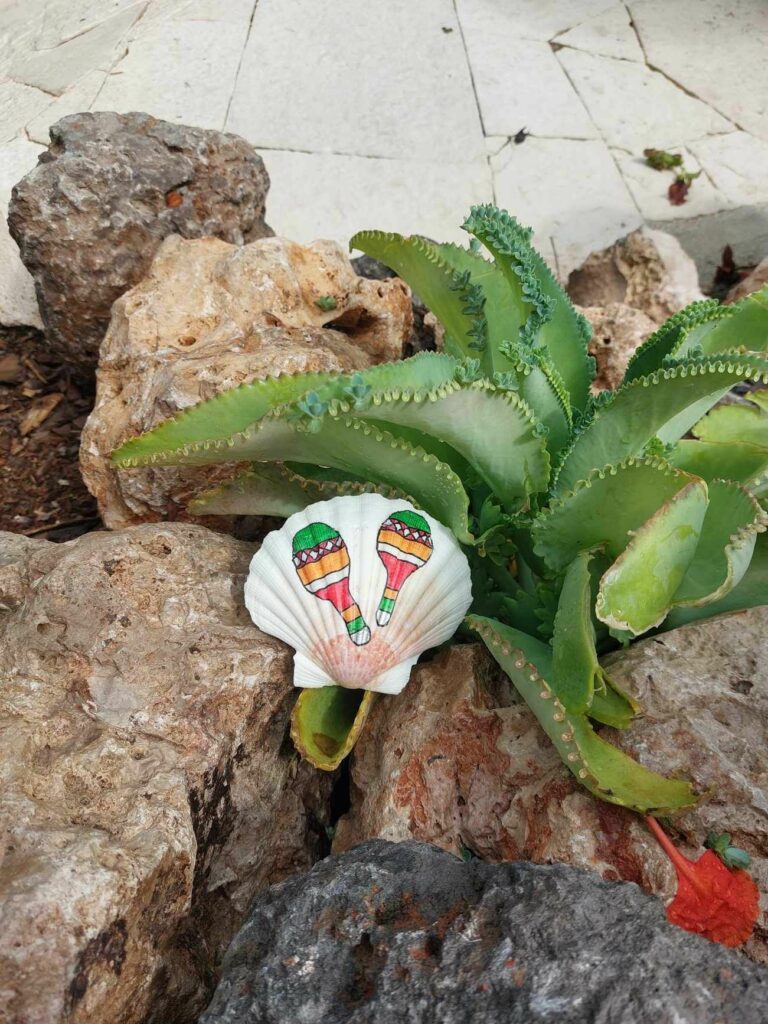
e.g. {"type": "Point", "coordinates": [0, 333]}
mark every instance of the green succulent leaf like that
{"type": "Point", "coordinates": [510, 457]}
{"type": "Point", "coordinates": [664, 342]}
{"type": "Point", "coordinates": [327, 722]}
{"type": "Point", "coordinates": [552, 321]}
{"type": "Point", "coordinates": [744, 463]}
{"type": "Point", "coordinates": [455, 300]}
{"type": "Point", "coordinates": [750, 592]}
{"type": "Point", "coordinates": [725, 546]}
{"type": "Point", "coordinates": [606, 510]}
{"type": "Point", "coordinates": [606, 772]}
{"type": "Point", "coordinates": [747, 424]}
{"type": "Point", "coordinates": [574, 658]}
{"type": "Point", "coordinates": [275, 490]}
{"type": "Point", "coordinates": [638, 590]}
{"type": "Point", "coordinates": [664, 405]}
{"type": "Point", "coordinates": [743, 327]}
{"type": "Point", "coordinates": [351, 445]}
{"type": "Point", "coordinates": [705, 328]}
{"type": "Point", "coordinates": [610, 704]}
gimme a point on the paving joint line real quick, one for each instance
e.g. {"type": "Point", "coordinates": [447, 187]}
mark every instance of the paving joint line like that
{"type": "Point", "coordinates": [240, 64]}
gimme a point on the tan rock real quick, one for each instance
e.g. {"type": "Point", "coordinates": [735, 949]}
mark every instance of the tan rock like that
{"type": "Point", "coordinates": [455, 761]}
{"type": "Point", "coordinates": [147, 790]}
{"type": "Point", "coordinates": [617, 330]}
{"type": "Point", "coordinates": [751, 283]}
{"type": "Point", "coordinates": [210, 316]}
{"type": "Point", "coordinates": [647, 269]}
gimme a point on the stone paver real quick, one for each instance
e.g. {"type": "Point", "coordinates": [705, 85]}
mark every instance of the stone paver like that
{"type": "Point", "coordinates": [576, 220]}
{"type": "Point", "coordinates": [385, 194]}
{"type": "Point", "coordinates": [714, 50]}
{"type": "Point", "coordinates": [608, 34]}
{"type": "Point", "coordinates": [375, 79]}
{"type": "Point", "coordinates": [401, 113]}
{"type": "Point", "coordinates": [635, 107]}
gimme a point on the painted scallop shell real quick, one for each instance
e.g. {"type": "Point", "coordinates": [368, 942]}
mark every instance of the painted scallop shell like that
{"type": "Point", "coordinates": [359, 586]}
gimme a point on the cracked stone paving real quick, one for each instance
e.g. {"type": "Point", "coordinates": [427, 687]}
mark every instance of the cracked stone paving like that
{"type": "Point", "coordinates": [399, 115]}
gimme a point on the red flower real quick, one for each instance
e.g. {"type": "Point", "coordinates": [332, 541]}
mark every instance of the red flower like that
{"type": "Point", "coordinates": [719, 903]}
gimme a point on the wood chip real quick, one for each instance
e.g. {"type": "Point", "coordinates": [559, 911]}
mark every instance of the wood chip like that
{"type": "Point", "coordinates": [38, 412]}
{"type": "Point", "coordinates": [10, 368]}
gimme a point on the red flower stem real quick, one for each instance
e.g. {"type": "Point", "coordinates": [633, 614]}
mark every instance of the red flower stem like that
{"type": "Point", "coordinates": [680, 862]}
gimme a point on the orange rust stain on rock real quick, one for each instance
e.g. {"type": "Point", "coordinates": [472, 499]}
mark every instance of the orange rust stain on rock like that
{"type": "Point", "coordinates": [463, 751]}
{"type": "Point", "coordinates": [615, 844]}
{"type": "Point", "coordinates": [538, 831]}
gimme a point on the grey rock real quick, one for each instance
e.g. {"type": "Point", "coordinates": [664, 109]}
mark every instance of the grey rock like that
{"type": "Point", "coordinates": [405, 934]}
{"type": "Point", "coordinates": [90, 217]}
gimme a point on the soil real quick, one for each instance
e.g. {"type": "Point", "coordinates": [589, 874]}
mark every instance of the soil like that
{"type": "Point", "coordinates": [43, 407]}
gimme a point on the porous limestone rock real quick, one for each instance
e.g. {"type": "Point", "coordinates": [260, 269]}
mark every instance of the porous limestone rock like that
{"type": "Point", "coordinates": [210, 316]}
{"type": "Point", "coordinates": [617, 330]}
{"type": "Point", "coordinates": [388, 934]}
{"type": "Point", "coordinates": [456, 762]}
{"type": "Point", "coordinates": [89, 218]}
{"type": "Point", "coordinates": [756, 279]}
{"type": "Point", "coordinates": [646, 269]}
{"type": "Point", "coordinates": [147, 790]}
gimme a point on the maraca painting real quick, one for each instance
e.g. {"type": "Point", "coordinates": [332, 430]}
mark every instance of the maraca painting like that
{"type": "Point", "coordinates": [359, 586]}
{"type": "Point", "coordinates": [322, 562]}
{"type": "Point", "coordinates": [404, 545]}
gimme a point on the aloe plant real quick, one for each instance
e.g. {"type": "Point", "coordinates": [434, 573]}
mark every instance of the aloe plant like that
{"type": "Point", "coordinates": [588, 519]}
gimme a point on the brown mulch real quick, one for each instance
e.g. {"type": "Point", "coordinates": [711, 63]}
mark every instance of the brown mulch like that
{"type": "Point", "coordinates": [42, 410]}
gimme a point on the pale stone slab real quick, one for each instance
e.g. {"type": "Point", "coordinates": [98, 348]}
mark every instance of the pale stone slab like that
{"type": "Point", "coordinates": [715, 50]}
{"type": "Point", "coordinates": [535, 19]}
{"type": "Point", "coordinates": [322, 195]}
{"type": "Point", "coordinates": [635, 107]}
{"type": "Point", "coordinates": [567, 190]}
{"type": "Point", "coordinates": [738, 165]}
{"type": "Point", "coordinates": [373, 79]}
{"type": "Point", "coordinates": [18, 305]}
{"type": "Point", "coordinates": [649, 188]}
{"type": "Point", "coordinates": [18, 103]}
{"type": "Point", "coordinates": [54, 70]}
{"type": "Point", "coordinates": [181, 71]}
{"type": "Point", "coordinates": [608, 34]}
{"type": "Point", "coordinates": [75, 100]}
{"type": "Point", "coordinates": [520, 83]}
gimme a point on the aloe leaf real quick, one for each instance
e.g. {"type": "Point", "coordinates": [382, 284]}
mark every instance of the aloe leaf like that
{"type": "Point", "coordinates": [650, 356]}
{"type": "Point", "coordinates": [504, 313]}
{"type": "Point", "coordinates": [493, 430]}
{"type": "Point", "coordinates": [725, 546]}
{"type": "Point", "coordinates": [344, 443]}
{"type": "Point", "coordinates": [760, 397]}
{"type": "Point", "coordinates": [610, 704]}
{"type": "Point", "coordinates": [606, 772]}
{"type": "Point", "coordinates": [751, 592]}
{"type": "Point", "coordinates": [747, 424]}
{"type": "Point", "coordinates": [234, 411]}
{"type": "Point", "coordinates": [217, 419]}
{"type": "Point", "coordinates": [664, 405]}
{"type": "Point", "coordinates": [574, 659]}
{"type": "Point", "coordinates": [604, 510]}
{"type": "Point", "coordinates": [552, 322]}
{"type": "Point", "coordinates": [742, 326]}
{"type": "Point", "coordinates": [326, 723]}
{"type": "Point", "coordinates": [638, 590]}
{"type": "Point", "coordinates": [543, 389]}
{"type": "Point", "coordinates": [457, 303]}
{"type": "Point", "coordinates": [275, 490]}
{"type": "Point", "coordinates": [745, 463]}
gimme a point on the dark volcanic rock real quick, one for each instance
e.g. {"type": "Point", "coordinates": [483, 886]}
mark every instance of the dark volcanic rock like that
{"type": "Point", "coordinates": [405, 933]}
{"type": "Point", "coordinates": [89, 218]}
